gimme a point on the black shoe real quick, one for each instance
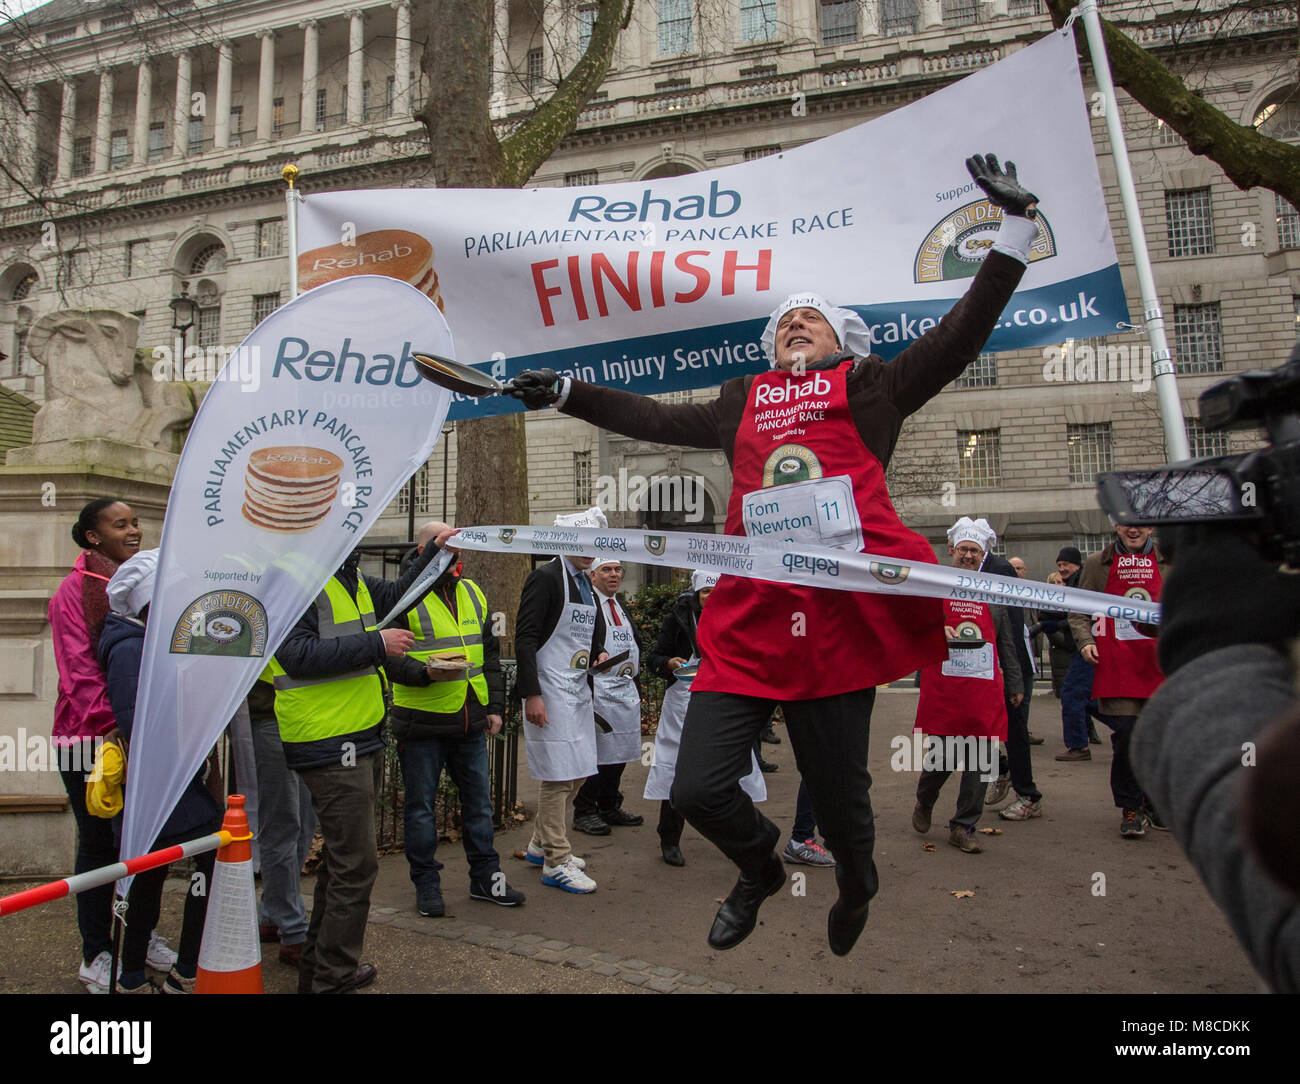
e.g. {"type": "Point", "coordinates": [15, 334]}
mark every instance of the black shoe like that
{"type": "Point", "coordinates": [738, 914]}
{"type": "Point", "coordinates": [1153, 819]}
{"type": "Point", "coordinates": [592, 824]}
{"type": "Point", "coordinates": [673, 855]}
{"type": "Point", "coordinates": [428, 901]}
{"type": "Point", "coordinates": [769, 736]}
{"type": "Point", "coordinates": [1093, 739]}
{"type": "Point", "coordinates": [1036, 740]}
{"type": "Point", "coordinates": [365, 975]}
{"type": "Point", "coordinates": [844, 925]}
{"type": "Point", "coordinates": [496, 891]}
{"type": "Point", "coordinates": [766, 766]}
{"type": "Point", "coordinates": [621, 819]}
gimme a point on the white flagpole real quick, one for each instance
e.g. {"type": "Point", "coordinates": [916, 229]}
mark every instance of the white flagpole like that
{"type": "Point", "coordinates": [1162, 366]}
{"type": "Point", "coordinates": [291, 199]}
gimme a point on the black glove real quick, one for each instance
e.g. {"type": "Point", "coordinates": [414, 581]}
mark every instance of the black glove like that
{"type": "Point", "coordinates": [1002, 188]}
{"type": "Point", "coordinates": [535, 388]}
{"type": "Point", "coordinates": [1222, 592]}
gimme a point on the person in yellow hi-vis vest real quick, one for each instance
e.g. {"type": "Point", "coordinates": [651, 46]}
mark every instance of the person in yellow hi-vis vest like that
{"type": "Point", "coordinates": [447, 692]}
{"type": "Point", "coordinates": [329, 701]}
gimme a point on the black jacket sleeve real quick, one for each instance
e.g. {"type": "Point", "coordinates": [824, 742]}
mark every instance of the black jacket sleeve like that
{"type": "Point", "coordinates": [672, 636]}
{"type": "Point", "coordinates": [539, 610]}
{"type": "Point", "coordinates": [1008, 634]}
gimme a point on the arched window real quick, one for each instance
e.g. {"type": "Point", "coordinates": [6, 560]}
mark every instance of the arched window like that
{"type": "Point", "coordinates": [23, 287]}
{"type": "Point", "coordinates": [209, 259]}
{"type": "Point", "coordinates": [668, 169]}
{"type": "Point", "coordinates": [1279, 117]}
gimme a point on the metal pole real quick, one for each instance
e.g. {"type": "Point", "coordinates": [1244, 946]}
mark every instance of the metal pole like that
{"type": "Point", "coordinates": [1162, 366]}
{"type": "Point", "coordinates": [291, 197]}
{"type": "Point", "coordinates": [446, 437]}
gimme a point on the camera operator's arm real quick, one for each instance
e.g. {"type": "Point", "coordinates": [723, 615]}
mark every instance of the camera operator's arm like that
{"type": "Point", "coordinates": [1194, 742]}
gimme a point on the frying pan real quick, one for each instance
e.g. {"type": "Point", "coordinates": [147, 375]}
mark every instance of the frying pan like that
{"type": "Point", "coordinates": [457, 377]}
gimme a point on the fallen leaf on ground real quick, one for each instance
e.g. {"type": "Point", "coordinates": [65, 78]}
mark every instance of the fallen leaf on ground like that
{"type": "Point", "coordinates": [720, 899]}
{"type": "Point", "coordinates": [927, 846]}
{"type": "Point", "coordinates": [964, 893]}
{"type": "Point", "coordinates": [522, 855]}
{"type": "Point", "coordinates": [991, 831]}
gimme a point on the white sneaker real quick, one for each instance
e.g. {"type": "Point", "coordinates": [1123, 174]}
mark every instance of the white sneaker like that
{"type": "Point", "coordinates": [159, 957]}
{"type": "Point", "coordinates": [537, 857]}
{"type": "Point", "coordinates": [94, 975]}
{"type": "Point", "coordinates": [568, 877]}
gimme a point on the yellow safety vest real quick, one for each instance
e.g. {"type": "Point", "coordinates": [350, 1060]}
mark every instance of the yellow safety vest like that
{"type": "Point", "coordinates": [437, 632]}
{"type": "Point", "coordinates": [309, 709]}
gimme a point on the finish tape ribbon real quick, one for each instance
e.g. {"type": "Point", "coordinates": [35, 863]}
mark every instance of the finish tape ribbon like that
{"type": "Point", "coordinates": [809, 565]}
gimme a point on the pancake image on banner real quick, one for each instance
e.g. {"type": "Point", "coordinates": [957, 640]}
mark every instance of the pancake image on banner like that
{"type": "Point", "coordinates": [400, 254]}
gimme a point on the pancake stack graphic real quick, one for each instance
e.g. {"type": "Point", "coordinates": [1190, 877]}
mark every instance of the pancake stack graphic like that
{"type": "Point", "coordinates": [290, 488]}
{"type": "Point", "coordinates": [399, 254]}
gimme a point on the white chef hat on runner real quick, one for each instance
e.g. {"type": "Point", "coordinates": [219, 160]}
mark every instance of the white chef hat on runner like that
{"type": "Point", "coordinates": [131, 588]}
{"type": "Point", "coordinates": [850, 330]}
{"type": "Point", "coordinates": [607, 561]}
{"type": "Point", "coordinates": [701, 579]}
{"type": "Point", "coordinates": [592, 517]}
{"type": "Point", "coordinates": [972, 530]}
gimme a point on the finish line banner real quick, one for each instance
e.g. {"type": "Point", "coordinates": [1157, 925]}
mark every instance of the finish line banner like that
{"type": "Point", "coordinates": [811, 566]}
{"type": "Point", "coordinates": [308, 432]}
{"type": "Point", "coordinates": [666, 284]}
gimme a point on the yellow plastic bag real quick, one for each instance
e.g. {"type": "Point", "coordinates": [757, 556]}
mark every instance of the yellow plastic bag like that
{"type": "Point", "coordinates": [104, 784]}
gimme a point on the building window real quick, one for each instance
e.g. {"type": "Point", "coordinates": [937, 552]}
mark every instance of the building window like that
{"type": "Point", "coordinates": [81, 160]}
{"type": "Point", "coordinates": [1089, 448]}
{"type": "Point", "coordinates": [897, 17]}
{"type": "Point", "coordinates": [277, 117]}
{"type": "Point", "coordinates": [980, 373]}
{"type": "Point", "coordinates": [119, 151]}
{"type": "Point", "coordinates": [581, 178]}
{"type": "Point", "coordinates": [1191, 223]}
{"type": "Point", "coordinates": [757, 20]}
{"type": "Point", "coordinates": [421, 480]}
{"type": "Point", "coordinates": [210, 326]}
{"type": "Point", "coordinates": [586, 24]}
{"type": "Point", "coordinates": [67, 33]}
{"type": "Point", "coordinates": [209, 260]}
{"type": "Point", "coordinates": [754, 153]}
{"type": "Point", "coordinates": [582, 478]}
{"type": "Point", "coordinates": [979, 458]}
{"type": "Point", "coordinates": [322, 104]}
{"type": "Point", "coordinates": [20, 351]}
{"type": "Point", "coordinates": [196, 136]}
{"type": "Point", "coordinates": [839, 21]}
{"type": "Point", "coordinates": [674, 398]}
{"type": "Point", "coordinates": [1198, 345]}
{"type": "Point", "coordinates": [137, 258]}
{"type": "Point", "coordinates": [1288, 223]}
{"type": "Point", "coordinates": [365, 99]}
{"type": "Point", "coordinates": [263, 306]}
{"type": "Point", "coordinates": [1204, 441]}
{"type": "Point", "coordinates": [1295, 308]}
{"type": "Point", "coordinates": [113, 22]}
{"type": "Point", "coordinates": [24, 287]}
{"type": "Point", "coordinates": [535, 70]}
{"type": "Point", "coordinates": [157, 141]}
{"type": "Point", "coordinates": [236, 125]}
{"type": "Point", "coordinates": [76, 267]}
{"type": "Point", "coordinates": [960, 12]}
{"type": "Point", "coordinates": [675, 27]}
{"type": "Point", "coordinates": [1166, 135]}
{"type": "Point", "coordinates": [390, 91]}
{"type": "Point", "coordinates": [1025, 7]}
{"type": "Point", "coordinates": [1088, 543]}
{"type": "Point", "coordinates": [270, 237]}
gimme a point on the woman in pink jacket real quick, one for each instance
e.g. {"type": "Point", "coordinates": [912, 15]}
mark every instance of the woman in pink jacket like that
{"type": "Point", "coordinates": [108, 532]}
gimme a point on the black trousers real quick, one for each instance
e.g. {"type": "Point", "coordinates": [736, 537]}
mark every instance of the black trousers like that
{"type": "Point", "coordinates": [671, 825]}
{"type": "Point", "coordinates": [1018, 750]}
{"type": "Point", "coordinates": [829, 735]}
{"type": "Point", "coordinates": [600, 793]}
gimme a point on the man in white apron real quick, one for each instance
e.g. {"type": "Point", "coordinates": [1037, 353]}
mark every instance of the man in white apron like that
{"type": "Point", "coordinates": [554, 643]}
{"type": "Point", "coordinates": [617, 701]}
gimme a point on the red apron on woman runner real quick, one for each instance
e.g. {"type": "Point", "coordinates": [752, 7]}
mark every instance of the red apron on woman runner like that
{"type": "Point", "coordinates": [801, 473]}
{"type": "Point", "coordinates": [1127, 667]}
{"type": "Point", "coordinates": [963, 696]}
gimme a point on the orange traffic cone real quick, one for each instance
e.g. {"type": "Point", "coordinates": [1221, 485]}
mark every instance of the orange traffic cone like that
{"type": "Point", "coordinates": [230, 958]}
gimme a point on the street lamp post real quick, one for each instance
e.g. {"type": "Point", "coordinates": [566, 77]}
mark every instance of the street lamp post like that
{"type": "Point", "coordinates": [184, 310]}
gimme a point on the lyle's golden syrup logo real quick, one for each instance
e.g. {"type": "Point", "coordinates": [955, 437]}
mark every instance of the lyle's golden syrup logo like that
{"type": "Point", "coordinates": [656, 544]}
{"type": "Point", "coordinates": [627, 670]}
{"type": "Point", "coordinates": [507, 535]}
{"type": "Point", "coordinates": [221, 623]}
{"type": "Point", "coordinates": [957, 245]}
{"type": "Point", "coordinates": [968, 630]}
{"type": "Point", "coordinates": [581, 660]}
{"type": "Point", "coordinates": [887, 573]}
{"type": "Point", "coordinates": [1138, 593]}
{"type": "Point", "coordinates": [791, 463]}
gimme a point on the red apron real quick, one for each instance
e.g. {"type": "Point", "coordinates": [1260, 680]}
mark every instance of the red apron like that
{"type": "Point", "coordinates": [963, 696]}
{"type": "Point", "coordinates": [801, 473]}
{"type": "Point", "coordinates": [1127, 667]}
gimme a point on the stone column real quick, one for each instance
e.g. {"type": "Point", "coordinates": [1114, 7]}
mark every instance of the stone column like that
{"type": "Point", "coordinates": [310, 62]}
{"type": "Point", "coordinates": [930, 14]}
{"type": "Point", "coordinates": [265, 85]}
{"type": "Point", "coordinates": [67, 122]}
{"type": "Point", "coordinates": [500, 51]}
{"type": "Point", "coordinates": [999, 9]}
{"type": "Point", "coordinates": [181, 113]}
{"type": "Point", "coordinates": [870, 26]}
{"type": "Point", "coordinates": [27, 134]}
{"type": "Point", "coordinates": [221, 123]}
{"type": "Point", "coordinates": [143, 108]}
{"type": "Point", "coordinates": [356, 64]}
{"type": "Point", "coordinates": [552, 40]}
{"type": "Point", "coordinates": [104, 120]}
{"type": "Point", "coordinates": [402, 61]}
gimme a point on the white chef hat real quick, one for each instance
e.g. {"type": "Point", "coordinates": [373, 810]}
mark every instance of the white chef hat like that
{"type": "Point", "coordinates": [972, 530]}
{"type": "Point", "coordinates": [607, 561]}
{"type": "Point", "coordinates": [852, 333]}
{"type": "Point", "coordinates": [701, 579]}
{"type": "Point", "coordinates": [131, 588]}
{"type": "Point", "coordinates": [592, 517]}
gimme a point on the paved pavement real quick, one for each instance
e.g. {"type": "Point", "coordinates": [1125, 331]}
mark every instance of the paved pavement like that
{"type": "Point", "coordinates": [1060, 904]}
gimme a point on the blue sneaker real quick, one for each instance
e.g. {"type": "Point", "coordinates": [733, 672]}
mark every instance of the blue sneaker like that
{"type": "Point", "coordinates": [568, 877]}
{"type": "Point", "coordinates": [537, 857]}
